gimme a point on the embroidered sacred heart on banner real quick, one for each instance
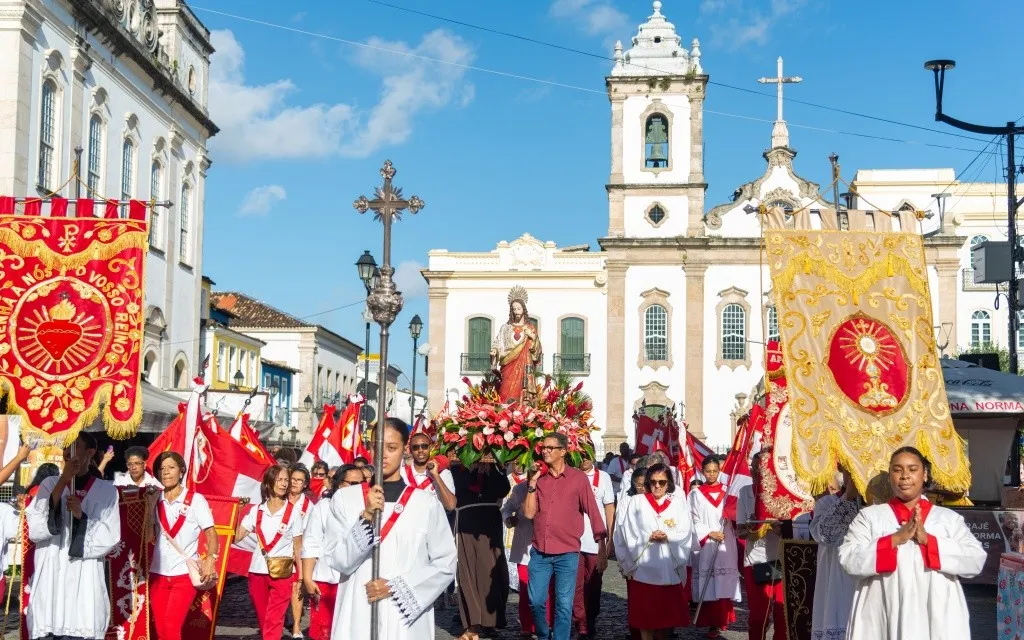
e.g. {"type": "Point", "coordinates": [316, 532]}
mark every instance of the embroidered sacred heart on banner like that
{"type": "Point", "coordinates": [869, 365]}
{"type": "Point", "coordinates": [66, 338]}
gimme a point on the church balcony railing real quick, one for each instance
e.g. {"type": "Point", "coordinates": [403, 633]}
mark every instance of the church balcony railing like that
{"type": "Point", "coordinates": [475, 363]}
{"type": "Point", "coordinates": [967, 282]}
{"type": "Point", "coordinates": [577, 364]}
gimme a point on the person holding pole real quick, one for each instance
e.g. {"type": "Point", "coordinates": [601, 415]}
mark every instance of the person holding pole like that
{"type": "Point", "coordinates": [716, 583]}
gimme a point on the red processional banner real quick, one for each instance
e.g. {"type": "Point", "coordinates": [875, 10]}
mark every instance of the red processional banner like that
{"type": "Point", "coordinates": [71, 321]}
{"type": "Point", "coordinates": [202, 616]}
{"type": "Point", "coordinates": [781, 495]}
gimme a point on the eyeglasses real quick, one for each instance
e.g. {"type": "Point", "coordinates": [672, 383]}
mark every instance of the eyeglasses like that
{"type": "Point", "coordinates": [659, 483]}
{"type": "Point", "coordinates": [419, 447]}
{"type": "Point", "coordinates": [319, 474]}
{"type": "Point", "coordinates": [550, 448]}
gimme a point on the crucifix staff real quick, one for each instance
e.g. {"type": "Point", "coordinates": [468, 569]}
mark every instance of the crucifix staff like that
{"type": "Point", "coordinates": [384, 302]}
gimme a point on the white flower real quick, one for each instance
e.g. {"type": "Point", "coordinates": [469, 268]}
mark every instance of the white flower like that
{"type": "Point", "coordinates": [538, 432]}
{"type": "Point", "coordinates": [488, 431]}
{"type": "Point", "coordinates": [463, 431]}
{"type": "Point", "coordinates": [503, 424]}
{"type": "Point", "coordinates": [509, 436]}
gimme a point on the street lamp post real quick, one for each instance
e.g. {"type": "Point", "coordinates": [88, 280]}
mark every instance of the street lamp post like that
{"type": "Point", "coordinates": [1010, 132]}
{"type": "Point", "coordinates": [415, 329]}
{"type": "Point", "coordinates": [369, 273]}
{"type": "Point", "coordinates": [385, 301]}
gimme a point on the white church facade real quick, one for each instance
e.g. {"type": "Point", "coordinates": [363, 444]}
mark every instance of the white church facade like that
{"type": "Point", "coordinates": [675, 307]}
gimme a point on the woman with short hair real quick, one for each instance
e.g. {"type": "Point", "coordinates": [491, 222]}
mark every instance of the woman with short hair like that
{"type": "Point", "coordinates": [181, 516]}
{"type": "Point", "coordinates": [908, 557]}
{"type": "Point", "coordinates": [716, 577]}
{"type": "Point", "coordinates": [136, 476]}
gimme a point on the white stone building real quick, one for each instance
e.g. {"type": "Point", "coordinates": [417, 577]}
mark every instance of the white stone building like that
{"type": "Point", "coordinates": [125, 82]}
{"type": "Point", "coordinates": [326, 361]}
{"type": "Point", "coordinates": [675, 307]}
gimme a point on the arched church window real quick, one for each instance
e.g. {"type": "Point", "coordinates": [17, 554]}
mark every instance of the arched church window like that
{"type": "Point", "coordinates": [981, 329]}
{"type": "Point", "coordinates": [656, 147]}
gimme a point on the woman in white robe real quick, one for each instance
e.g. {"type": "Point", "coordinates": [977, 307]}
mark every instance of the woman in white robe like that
{"type": "Point", "coordinates": [657, 531]}
{"type": "Point", "coordinates": [716, 576]}
{"type": "Point", "coordinates": [417, 552]}
{"type": "Point", "coordinates": [833, 587]}
{"type": "Point", "coordinates": [69, 584]}
{"type": "Point", "coordinates": [907, 557]}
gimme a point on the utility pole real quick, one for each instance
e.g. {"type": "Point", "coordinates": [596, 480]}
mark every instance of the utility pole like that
{"type": "Point", "coordinates": [1010, 132]}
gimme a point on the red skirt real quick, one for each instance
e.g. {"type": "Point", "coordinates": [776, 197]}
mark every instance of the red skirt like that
{"type": "Point", "coordinates": [657, 606]}
{"type": "Point", "coordinates": [716, 613]}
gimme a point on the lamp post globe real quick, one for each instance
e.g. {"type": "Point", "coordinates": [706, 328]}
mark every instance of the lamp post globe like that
{"type": "Point", "coordinates": [415, 327]}
{"type": "Point", "coordinates": [366, 266]}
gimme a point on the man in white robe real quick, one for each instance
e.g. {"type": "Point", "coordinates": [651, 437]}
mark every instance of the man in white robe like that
{"type": "Point", "coordinates": [417, 557]}
{"type": "Point", "coordinates": [74, 523]}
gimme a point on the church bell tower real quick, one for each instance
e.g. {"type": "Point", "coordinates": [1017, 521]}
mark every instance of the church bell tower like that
{"type": "Point", "coordinates": [656, 88]}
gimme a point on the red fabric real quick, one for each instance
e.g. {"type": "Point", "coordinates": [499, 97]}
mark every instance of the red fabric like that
{"type": "Point", "coordinates": [930, 551]}
{"type": "Point", "coordinates": [512, 374]}
{"type": "Point", "coordinates": [170, 598]}
{"type": "Point", "coordinates": [885, 555]}
{"type": "Point", "coordinates": [58, 207]}
{"type": "Point", "coordinates": [321, 614]}
{"type": "Point", "coordinates": [557, 497]}
{"type": "Point", "coordinates": [657, 606]}
{"type": "Point", "coordinates": [525, 612]}
{"type": "Point", "coordinates": [6, 205]}
{"type": "Point", "coordinates": [33, 206]}
{"type": "Point", "coordinates": [716, 613]}
{"type": "Point", "coordinates": [850, 374]}
{"type": "Point", "coordinates": [760, 599]}
{"type": "Point", "coordinates": [137, 210]}
{"type": "Point", "coordinates": [931, 554]}
{"type": "Point", "coordinates": [586, 604]}
{"type": "Point", "coordinates": [649, 434]}
{"type": "Point", "coordinates": [110, 210]}
{"type": "Point", "coordinates": [715, 493]}
{"type": "Point", "coordinates": [271, 598]}
{"type": "Point", "coordinates": [83, 208]}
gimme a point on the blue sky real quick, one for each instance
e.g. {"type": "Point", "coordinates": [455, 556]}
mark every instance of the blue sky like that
{"type": "Point", "coordinates": [308, 120]}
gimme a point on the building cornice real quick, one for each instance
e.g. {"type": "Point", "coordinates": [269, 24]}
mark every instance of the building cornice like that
{"type": "Point", "coordinates": [656, 186]}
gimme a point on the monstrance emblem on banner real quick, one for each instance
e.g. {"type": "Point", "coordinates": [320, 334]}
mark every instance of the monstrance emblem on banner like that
{"type": "Point", "coordinates": [868, 364]}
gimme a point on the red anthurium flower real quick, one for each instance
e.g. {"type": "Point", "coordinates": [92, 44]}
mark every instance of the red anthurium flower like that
{"type": "Point", "coordinates": [478, 441]}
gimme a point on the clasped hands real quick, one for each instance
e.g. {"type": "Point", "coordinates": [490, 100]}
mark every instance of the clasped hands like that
{"type": "Point", "coordinates": [659, 536]}
{"type": "Point", "coordinates": [913, 529]}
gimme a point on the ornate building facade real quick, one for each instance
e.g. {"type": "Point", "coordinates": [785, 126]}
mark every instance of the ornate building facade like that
{"type": "Point", "coordinates": [675, 308]}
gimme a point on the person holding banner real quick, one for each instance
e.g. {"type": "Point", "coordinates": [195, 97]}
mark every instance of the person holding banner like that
{"type": "Point", "coordinates": [181, 516]}
{"type": "Point", "coordinates": [907, 557]}
{"type": "Point", "coordinates": [716, 581]}
{"type": "Point", "coordinates": [417, 552]}
{"type": "Point", "coordinates": [74, 522]}
{"type": "Point", "coordinates": [833, 587]}
{"type": "Point", "coordinates": [275, 572]}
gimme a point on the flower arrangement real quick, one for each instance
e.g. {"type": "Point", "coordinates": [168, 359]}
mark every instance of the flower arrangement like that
{"type": "Point", "coordinates": [481, 423]}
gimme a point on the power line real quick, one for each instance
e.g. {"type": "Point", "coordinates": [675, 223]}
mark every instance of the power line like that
{"type": "Point", "coordinates": [724, 85]}
{"type": "Point", "coordinates": [516, 76]}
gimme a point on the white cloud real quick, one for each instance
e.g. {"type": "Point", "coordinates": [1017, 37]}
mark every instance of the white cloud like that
{"type": "Point", "coordinates": [409, 280]}
{"type": "Point", "coordinates": [258, 122]}
{"type": "Point", "coordinates": [262, 199]}
{"type": "Point", "coordinates": [755, 28]}
{"type": "Point", "coordinates": [595, 17]}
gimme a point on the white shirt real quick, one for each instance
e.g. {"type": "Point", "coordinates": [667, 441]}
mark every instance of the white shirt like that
{"type": "Point", "coordinates": [522, 536]}
{"type": "Point", "coordinates": [649, 562]}
{"type": "Point", "coordinates": [125, 480]}
{"type": "Point", "coordinates": [272, 524]}
{"type": "Point", "coordinates": [617, 469]}
{"type": "Point", "coordinates": [420, 478]}
{"type": "Point", "coordinates": [764, 549]}
{"type": "Point", "coordinates": [313, 543]}
{"type": "Point", "coordinates": [604, 493]}
{"type": "Point", "coordinates": [303, 507]}
{"type": "Point", "coordinates": [8, 529]}
{"type": "Point", "coordinates": [198, 517]}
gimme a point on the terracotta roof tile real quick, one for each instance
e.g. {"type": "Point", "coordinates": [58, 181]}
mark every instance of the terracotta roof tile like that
{"type": "Point", "coordinates": [250, 312]}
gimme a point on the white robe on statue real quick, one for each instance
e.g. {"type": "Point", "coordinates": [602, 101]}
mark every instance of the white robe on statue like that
{"type": "Point", "coordinates": [911, 592]}
{"type": "Point", "coordinates": [833, 587]}
{"type": "Point", "coordinates": [69, 594]}
{"type": "Point", "coordinates": [417, 558]}
{"type": "Point", "coordinates": [657, 563]}
{"type": "Point", "coordinates": [714, 562]}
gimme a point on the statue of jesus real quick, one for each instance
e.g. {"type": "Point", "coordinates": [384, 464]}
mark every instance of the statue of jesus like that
{"type": "Point", "coordinates": [516, 350]}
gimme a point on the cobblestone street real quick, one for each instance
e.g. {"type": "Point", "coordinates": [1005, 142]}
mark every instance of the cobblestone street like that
{"type": "Point", "coordinates": [237, 616]}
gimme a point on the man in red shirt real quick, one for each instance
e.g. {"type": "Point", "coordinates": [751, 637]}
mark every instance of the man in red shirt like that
{"type": "Point", "coordinates": [557, 502]}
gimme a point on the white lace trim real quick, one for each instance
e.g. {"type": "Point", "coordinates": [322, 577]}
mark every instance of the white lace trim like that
{"type": "Point", "coordinates": [405, 600]}
{"type": "Point", "coordinates": [366, 541]}
{"type": "Point", "coordinates": [829, 633]}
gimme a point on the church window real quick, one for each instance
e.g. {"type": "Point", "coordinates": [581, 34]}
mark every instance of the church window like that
{"type": "Point", "coordinates": [734, 323]}
{"type": "Point", "coordinates": [156, 180]}
{"type": "Point", "coordinates": [656, 214]}
{"type": "Point", "coordinates": [1020, 330]}
{"type": "Point", "coordinates": [184, 251]}
{"type": "Point", "coordinates": [978, 239]}
{"type": "Point", "coordinates": [656, 333]}
{"type": "Point", "coordinates": [773, 324]}
{"type": "Point", "coordinates": [981, 329]}
{"type": "Point", "coordinates": [127, 173]}
{"type": "Point", "coordinates": [478, 356]}
{"type": "Point", "coordinates": [47, 133]}
{"type": "Point", "coordinates": [571, 346]}
{"type": "Point", "coordinates": [95, 159]}
{"type": "Point", "coordinates": [222, 363]}
{"type": "Point", "coordinates": [656, 145]}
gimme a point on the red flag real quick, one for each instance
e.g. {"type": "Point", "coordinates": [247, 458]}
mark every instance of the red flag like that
{"type": "Point", "coordinates": [7, 205]}
{"type": "Point", "coordinates": [136, 210]}
{"type": "Point", "coordinates": [33, 206]}
{"type": "Point", "coordinates": [243, 432]}
{"type": "Point", "coordinates": [649, 432]}
{"type": "Point", "coordinates": [171, 439]}
{"type": "Point", "coordinates": [326, 442]}
{"type": "Point", "coordinates": [83, 208]}
{"type": "Point", "coordinates": [111, 209]}
{"type": "Point", "coordinates": [736, 468]}
{"type": "Point", "coordinates": [58, 207]}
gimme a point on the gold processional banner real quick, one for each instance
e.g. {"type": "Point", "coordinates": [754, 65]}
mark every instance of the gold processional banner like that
{"type": "Point", "coordinates": [855, 317]}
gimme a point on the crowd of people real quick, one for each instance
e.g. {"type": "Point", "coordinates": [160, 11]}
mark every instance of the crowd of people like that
{"type": "Point", "coordinates": [888, 571]}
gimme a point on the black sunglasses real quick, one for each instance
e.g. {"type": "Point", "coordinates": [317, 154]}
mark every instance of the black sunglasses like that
{"type": "Point", "coordinates": [419, 447]}
{"type": "Point", "coordinates": [659, 483]}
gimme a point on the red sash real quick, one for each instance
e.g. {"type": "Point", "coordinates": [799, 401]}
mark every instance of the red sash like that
{"type": "Point", "coordinates": [410, 479]}
{"type": "Point", "coordinates": [516, 478]}
{"type": "Point", "coordinates": [264, 547]}
{"type": "Point", "coordinates": [597, 478]}
{"type": "Point", "coordinates": [658, 508]}
{"type": "Point", "coordinates": [403, 500]}
{"type": "Point", "coordinates": [81, 493]}
{"type": "Point", "coordinates": [706, 490]}
{"type": "Point", "coordinates": [180, 521]}
{"type": "Point", "coordinates": [306, 502]}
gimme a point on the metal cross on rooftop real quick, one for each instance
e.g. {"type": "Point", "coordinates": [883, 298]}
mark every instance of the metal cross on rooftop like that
{"type": "Point", "coordinates": [780, 80]}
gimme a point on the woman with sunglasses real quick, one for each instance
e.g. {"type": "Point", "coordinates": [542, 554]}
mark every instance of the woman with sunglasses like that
{"type": "Point", "coordinates": [656, 531]}
{"type": "Point", "coordinates": [319, 481]}
{"type": "Point", "coordinates": [277, 528]}
{"type": "Point", "coordinates": [321, 580]}
{"type": "Point", "coordinates": [298, 489]}
{"type": "Point", "coordinates": [907, 557]}
{"type": "Point", "coordinates": [181, 516]}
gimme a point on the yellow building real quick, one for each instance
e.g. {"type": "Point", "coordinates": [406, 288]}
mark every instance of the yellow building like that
{"type": "Point", "coordinates": [234, 356]}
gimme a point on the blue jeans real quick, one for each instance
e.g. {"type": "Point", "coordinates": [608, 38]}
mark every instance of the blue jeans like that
{"type": "Point", "coordinates": [563, 567]}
